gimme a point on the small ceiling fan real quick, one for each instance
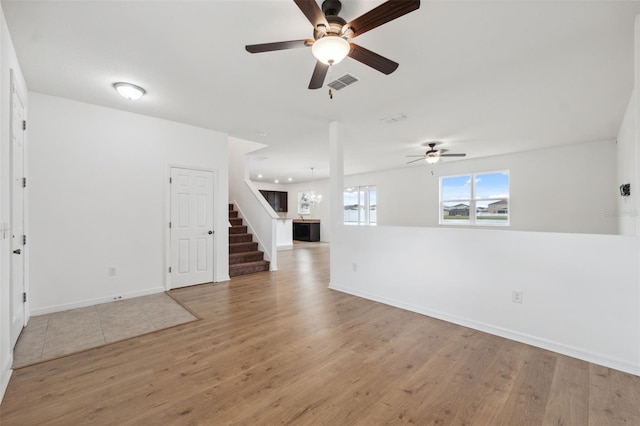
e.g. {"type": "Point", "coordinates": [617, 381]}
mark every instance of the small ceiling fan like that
{"type": "Point", "coordinates": [330, 33]}
{"type": "Point", "coordinates": [433, 155]}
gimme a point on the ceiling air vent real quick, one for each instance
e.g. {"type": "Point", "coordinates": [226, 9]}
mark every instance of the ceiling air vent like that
{"type": "Point", "coordinates": [394, 118]}
{"type": "Point", "coordinates": [342, 82]}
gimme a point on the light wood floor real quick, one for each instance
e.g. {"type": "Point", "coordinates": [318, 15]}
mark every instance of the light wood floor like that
{"type": "Point", "coordinates": [280, 348]}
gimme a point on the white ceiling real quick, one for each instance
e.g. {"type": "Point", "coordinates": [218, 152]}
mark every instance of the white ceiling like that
{"type": "Point", "coordinates": [483, 77]}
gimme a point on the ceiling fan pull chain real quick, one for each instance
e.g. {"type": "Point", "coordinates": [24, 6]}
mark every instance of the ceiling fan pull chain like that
{"type": "Point", "coordinates": [330, 94]}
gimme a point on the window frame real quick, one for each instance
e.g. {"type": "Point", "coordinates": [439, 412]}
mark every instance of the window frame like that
{"type": "Point", "coordinates": [473, 201]}
{"type": "Point", "coordinates": [364, 214]}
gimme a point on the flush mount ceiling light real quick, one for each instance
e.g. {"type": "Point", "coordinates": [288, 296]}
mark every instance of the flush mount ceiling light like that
{"type": "Point", "coordinates": [330, 49]}
{"type": "Point", "coordinates": [129, 91]}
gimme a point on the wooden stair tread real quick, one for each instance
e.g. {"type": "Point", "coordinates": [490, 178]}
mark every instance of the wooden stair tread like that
{"type": "Point", "coordinates": [240, 238]}
{"type": "Point", "coordinates": [248, 268]}
{"type": "Point", "coordinates": [242, 247]}
{"type": "Point", "coordinates": [241, 253]}
{"type": "Point", "coordinates": [238, 229]}
{"type": "Point", "coordinates": [245, 257]}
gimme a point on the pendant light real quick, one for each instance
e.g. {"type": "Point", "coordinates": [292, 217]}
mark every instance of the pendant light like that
{"type": "Point", "coordinates": [313, 197]}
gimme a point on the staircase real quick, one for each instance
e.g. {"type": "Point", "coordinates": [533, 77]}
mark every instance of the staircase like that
{"type": "Point", "coordinates": [244, 256]}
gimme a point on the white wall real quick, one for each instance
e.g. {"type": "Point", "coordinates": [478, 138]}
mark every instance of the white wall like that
{"type": "Point", "coordinates": [580, 291]}
{"type": "Point", "coordinates": [628, 209]}
{"type": "Point", "coordinates": [98, 197]}
{"type": "Point", "coordinates": [8, 62]}
{"type": "Point", "coordinates": [626, 212]}
{"type": "Point", "coordinates": [565, 189]}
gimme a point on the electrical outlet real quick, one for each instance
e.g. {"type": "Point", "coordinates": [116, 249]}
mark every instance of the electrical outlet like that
{"type": "Point", "coordinates": [111, 271]}
{"type": "Point", "coordinates": [354, 267]}
{"type": "Point", "coordinates": [516, 296]}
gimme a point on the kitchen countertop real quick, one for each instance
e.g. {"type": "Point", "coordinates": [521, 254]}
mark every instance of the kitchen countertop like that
{"type": "Point", "coordinates": [306, 220]}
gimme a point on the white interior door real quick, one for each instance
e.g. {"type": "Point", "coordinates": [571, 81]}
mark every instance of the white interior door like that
{"type": "Point", "coordinates": [17, 216]}
{"type": "Point", "coordinates": [191, 227]}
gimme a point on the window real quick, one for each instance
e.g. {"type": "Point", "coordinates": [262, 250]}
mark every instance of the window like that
{"type": "Point", "coordinates": [360, 205]}
{"type": "Point", "coordinates": [475, 199]}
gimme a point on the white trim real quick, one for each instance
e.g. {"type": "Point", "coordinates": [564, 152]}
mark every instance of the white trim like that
{"type": "Point", "coordinates": [22, 96]}
{"type": "Point", "coordinates": [366, 189]}
{"type": "Point", "coordinates": [96, 301]}
{"type": "Point", "coordinates": [473, 220]}
{"type": "Point", "coordinates": [572, 351]}
{"type": "Point", "coordinates": [167, 233]}
{"type": "Point", "coordinates": [6, 376]}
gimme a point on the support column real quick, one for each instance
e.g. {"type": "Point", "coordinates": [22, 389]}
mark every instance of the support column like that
{"type": "Point", "coordinates": [336, 188]}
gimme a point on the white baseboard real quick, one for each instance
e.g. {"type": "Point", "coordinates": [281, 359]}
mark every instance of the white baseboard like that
{"type": "Point", "coordinates": [579, 353]}
{"type": "Point", "coordinates": [222, 278]}
{"type": "Point", "coordinates": [5, 376]}
{"type": "Point", "coordinates": [96, 301]}
{"type": "Point", "coordinates": [285, 247]}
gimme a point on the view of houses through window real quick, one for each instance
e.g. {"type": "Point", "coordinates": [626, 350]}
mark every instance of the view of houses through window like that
{"type": "Point", "coordinates": [475, 199]}
{"type": "Point", "coordinates": [360, 205]}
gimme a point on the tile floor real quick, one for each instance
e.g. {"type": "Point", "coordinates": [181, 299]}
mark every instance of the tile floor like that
{"type": "Point", "coordinates": [62, 333]}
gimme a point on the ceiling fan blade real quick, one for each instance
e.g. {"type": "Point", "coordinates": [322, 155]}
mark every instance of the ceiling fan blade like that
{"type": "Point", "coordinates": [380, 15]}
{"type": "Point", "coordinates": [419, 159]}
{"type": "Point", "coordinates": [313, 12]}
{"type": "Point", "coordinates": [375, 61]}
{"type": "Point", "coordinates": [279, 45]}
{"type": "Point", "coordinates": [319, 73]}
{"type": "Point", "coordinates": [453, 155]}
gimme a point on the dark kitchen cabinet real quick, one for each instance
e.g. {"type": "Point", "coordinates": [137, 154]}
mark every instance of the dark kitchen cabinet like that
{"type": "Point", "coordinates": [278, 200]}
{"type": "Point", "coordinates": [306, 231]}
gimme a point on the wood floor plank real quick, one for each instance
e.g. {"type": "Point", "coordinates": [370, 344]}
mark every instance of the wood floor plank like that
{"type": "Point", "coordinates": [614, 397]}
{"type": "Point", "coordinates": [530, 392]}
{"type": "Point", "coordinates": [568, 402]}
{"type": "Point", "coordinates": [281, 348]}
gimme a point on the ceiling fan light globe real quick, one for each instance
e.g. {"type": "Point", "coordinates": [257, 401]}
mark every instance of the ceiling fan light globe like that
{"type": "Point", "coordinates": [432, 160]}
{"type": "Point", "coordinates": [330, 49]}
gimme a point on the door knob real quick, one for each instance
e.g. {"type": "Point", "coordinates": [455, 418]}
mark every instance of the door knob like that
{"type": "Point", "coordinates": [210, 232]}
{"type": "Point", "coordinates": [17, 251]}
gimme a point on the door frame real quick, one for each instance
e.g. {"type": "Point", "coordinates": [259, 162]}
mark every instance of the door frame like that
{"type": "Point", "coordinates": [16, 88]}
{"type": "Point", "coordinates": [167, 231]}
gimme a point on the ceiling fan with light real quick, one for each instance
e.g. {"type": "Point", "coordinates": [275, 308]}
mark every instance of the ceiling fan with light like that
{"type": "Point", "coordinates": [330, 33]}
{"type": "Point", "coordinates": [433, 155]}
